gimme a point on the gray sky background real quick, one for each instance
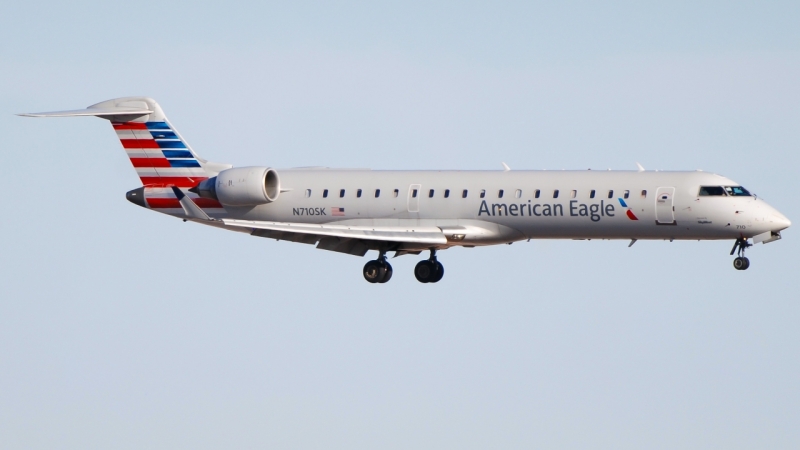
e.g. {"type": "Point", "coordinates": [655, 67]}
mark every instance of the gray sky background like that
{"type": "Point", "coordinates": [122, 328]}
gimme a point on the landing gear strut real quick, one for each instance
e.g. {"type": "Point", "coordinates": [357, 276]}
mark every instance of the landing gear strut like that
{"type": "Point", "coordinates": [378, 270]}
{"type": "Point", "coordinates": [429, 270]}
{"type": "Point", "coordinates": [740, 262]}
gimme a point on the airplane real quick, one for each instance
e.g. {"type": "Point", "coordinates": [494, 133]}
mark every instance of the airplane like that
{"type": "Point", "coordinates": [354, 211]}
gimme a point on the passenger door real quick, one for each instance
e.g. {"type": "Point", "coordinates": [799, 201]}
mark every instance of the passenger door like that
{"type": "Point", "coordinates": [665, 209]}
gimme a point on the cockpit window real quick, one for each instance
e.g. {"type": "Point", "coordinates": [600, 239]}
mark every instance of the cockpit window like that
{"type": "Point", "coordinates": [737, 191]}
{"type": "Point", "coordinates": [708, 191]}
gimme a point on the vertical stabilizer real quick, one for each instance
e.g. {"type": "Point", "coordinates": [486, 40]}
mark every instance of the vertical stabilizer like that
{"type": "Point", "coordinates": [158, 153]}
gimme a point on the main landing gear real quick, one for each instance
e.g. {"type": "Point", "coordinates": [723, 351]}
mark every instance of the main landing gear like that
{"type": "Point", "coordinates": [429, 270]}
{"type": "Point", "coordinates": [378, 270]}
{"type": "Point", "coordinates": [740, 262]}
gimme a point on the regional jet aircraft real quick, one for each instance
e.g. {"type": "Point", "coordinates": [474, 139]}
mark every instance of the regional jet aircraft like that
{"type": "Point", "coordinates": [410, 212]}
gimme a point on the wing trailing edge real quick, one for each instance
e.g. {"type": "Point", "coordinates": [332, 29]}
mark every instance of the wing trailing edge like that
{"type": "Point", "coordinates": [417, 235]}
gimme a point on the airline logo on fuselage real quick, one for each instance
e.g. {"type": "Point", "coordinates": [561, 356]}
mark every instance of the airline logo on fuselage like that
{"type": "Point", "coordinates": [593, 211]}
{"type": "Point", "coordinates": [628, 212]}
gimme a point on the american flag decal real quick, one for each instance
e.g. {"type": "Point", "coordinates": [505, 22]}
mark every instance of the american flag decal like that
{"type": "Point", "coordinates": [337, 211]}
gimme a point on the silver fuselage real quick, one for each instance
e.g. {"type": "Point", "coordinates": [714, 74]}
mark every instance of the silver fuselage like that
{"type": "Point", "coordinates": [519, 214]}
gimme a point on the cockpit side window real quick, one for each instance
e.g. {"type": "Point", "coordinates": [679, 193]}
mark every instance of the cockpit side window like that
{"type": "Point", "coordinates": [737, 191]}
{"type": "Point", "coordinates": [711, 191]}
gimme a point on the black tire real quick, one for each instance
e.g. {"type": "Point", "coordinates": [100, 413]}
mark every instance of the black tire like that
{"type": "Point", "coordinates": [374, 271]}
{"type": "Point", "coordinates": [739, 263]}
{"type": "Point", "coordinates": [423, 271]}
{"type": "Point", "coordinates": [439, 273]}
{"type": "Point", "coordinates": [746, 263]}
{"type": "Point", "coordinates": [388, 274]}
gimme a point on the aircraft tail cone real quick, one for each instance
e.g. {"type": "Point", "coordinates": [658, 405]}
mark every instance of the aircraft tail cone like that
{"type": "Point", "coordinates": [136, 197]}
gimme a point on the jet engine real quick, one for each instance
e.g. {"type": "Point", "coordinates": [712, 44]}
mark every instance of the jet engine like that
{"type": "Point", "coordinates": [242, 186]}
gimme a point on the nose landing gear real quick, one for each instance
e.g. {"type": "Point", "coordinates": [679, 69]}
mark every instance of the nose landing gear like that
{"type": "Point", "coordinates": [429, 270]}
{"type": "Point", "coordinates": [740, 262]}
{"type": "Point", "coordinates": [378, 270]}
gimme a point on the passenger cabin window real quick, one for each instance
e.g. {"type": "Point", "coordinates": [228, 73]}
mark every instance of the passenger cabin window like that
{"type": "Point", "coordinates": [358, 193]}
{"type": "Point", "coordinates": [626, 194]}
{"type": "Point", "coordinates": [464, 194]}
{"type": "Point", "coordinates": [341, 192]}
{"type": "Point", "coordinates": [483, 193]}
{"type": "Point", "coordinates": [396, 193]}
{"type": "Point", "coordinates": [555, 193]}
{"type": "Point", "coordinates": [591, 193]}
{"type": "Point", "coordinates": [500, 193]}
{"type": "Point", "coordinates": [414, 193]}
{"type": "Point", "coordinates": [711, 191]}
{"type": "Point", "coordinates": [446, 193]}
{"type": "Point", "coordinates": [430, 193]}
{"type": "Point", "coordinates": [610, 194]}
{"type": "Point", "coordinates": [737, 191]}
{"type": "Point", "coordinates": [377, 193]}
{"type": "Point", "coordinates": [518, 193]}
{"type": "Point", "coordinates": [537, 194]}
{"type": "Point", "coordinates": [325, 193]}
{"type": "Point", "coordinates": [644, 194]}
{"type": "Point", "coordinates": [308, 193]}
{"type": "Point", "coordinates": [573, 194]}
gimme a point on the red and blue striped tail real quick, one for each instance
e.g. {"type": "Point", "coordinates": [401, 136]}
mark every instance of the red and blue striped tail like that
{"type": "Point", "coordinates": [159, 155]}
{"type": "Point", "coordinates": [162, 158]}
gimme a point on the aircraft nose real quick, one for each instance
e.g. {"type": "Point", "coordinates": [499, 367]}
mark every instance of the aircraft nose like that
{"type": "Point", "coordinates": [770, 217]}
{"type": "Point", "coordinates": [782, 222]}
{"type": "Point", "coordinates": [779, 221]}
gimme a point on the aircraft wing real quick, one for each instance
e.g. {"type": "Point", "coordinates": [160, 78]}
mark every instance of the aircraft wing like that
{"type": "Point", "coordinates": [417, 235]}
{"type": "Point", "coordinates": [340, 238]}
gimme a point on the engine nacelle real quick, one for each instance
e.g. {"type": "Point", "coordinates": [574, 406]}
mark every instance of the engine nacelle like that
{"type": "Point", "coordinates": [242, 186]}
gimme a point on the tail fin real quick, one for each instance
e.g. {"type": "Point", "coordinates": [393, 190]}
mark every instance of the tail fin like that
{"type": "Point", "coordinates": [161, 157]}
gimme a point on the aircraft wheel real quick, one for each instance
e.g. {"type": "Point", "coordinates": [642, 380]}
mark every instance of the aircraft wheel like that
{"type": "Point", "coordinates": [439, 272]}
{"type": "Point", "coordinates": [741, 263]}
{"type": "Point", "coordinates": [388, 273]}
{"type": "Point", "coordinates": [424, 271]}
{"type": "Point", "coordinates": [374, 271]}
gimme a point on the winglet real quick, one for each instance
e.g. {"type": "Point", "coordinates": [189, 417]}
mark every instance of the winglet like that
{"type": "Point", "coordinates": [505, 167]}
{"type": "Point", "coordinates": [641, 169]}
{"type": "Point", "coordinates": [189, 207]}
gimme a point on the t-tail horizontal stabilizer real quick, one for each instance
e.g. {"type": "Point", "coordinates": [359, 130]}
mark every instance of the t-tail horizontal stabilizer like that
{"type": "Point", "coordinates": [98, 112]}
{"type": "Point", "coordinates": [117, 110]}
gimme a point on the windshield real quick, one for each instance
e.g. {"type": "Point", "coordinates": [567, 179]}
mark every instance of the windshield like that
{"type": "Point", "coordinates": [707, 191]}
{"type": "Point", "coordinates": [737, 191]}
{"type": "Point", "coordinates": [723, 191]}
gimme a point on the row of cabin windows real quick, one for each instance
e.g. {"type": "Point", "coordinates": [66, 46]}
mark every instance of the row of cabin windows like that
{"type": "Point", "coordinates": [518, 193]}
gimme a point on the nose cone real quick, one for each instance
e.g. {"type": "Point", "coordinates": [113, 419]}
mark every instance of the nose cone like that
{"type": "Point", "coordinates": [780, 222]}
{"type": "Point", "coordinates": [775, 219]}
